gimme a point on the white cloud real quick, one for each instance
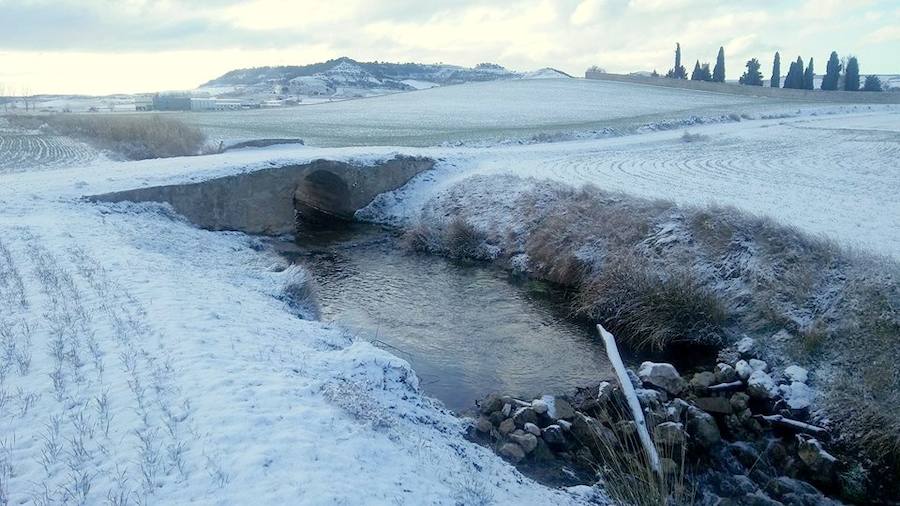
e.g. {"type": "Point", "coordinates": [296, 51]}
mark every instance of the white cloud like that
{"type": "Point", "coordinates": [884, 34]}
{"type": "Point", "coordinates": [621, 35]}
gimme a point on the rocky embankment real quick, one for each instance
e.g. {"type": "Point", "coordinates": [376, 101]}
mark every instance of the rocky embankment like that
{"type": "Point", "coordinates": [737, 434]}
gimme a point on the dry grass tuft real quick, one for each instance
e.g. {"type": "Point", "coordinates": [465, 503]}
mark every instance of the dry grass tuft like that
{"type": "Point", "coordinates": [462, 240]}
{"type": "Point", "coordinates": [650, 309]}
{"type": "Point", "coordinates": [626, 474]}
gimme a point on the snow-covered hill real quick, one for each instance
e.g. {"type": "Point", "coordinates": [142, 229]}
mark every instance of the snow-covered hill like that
{"type": "Point", "coordinates": [347, 78]}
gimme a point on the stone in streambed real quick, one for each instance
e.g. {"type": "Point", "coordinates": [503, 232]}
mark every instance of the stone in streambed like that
{"type": "Point", "coordinates": [513, 452]}
{"type": "Point", "coordinates": [491, 403]}
{"type": "Point", "coordinates": [761, 386]}
{"type": "Point", "coordinates": [725, 373]}
{"type": "Point", "coordinates": [527, 441]}
{"type": "Point", "coordinates": [532, 428]}
{"type": "Point", "coordinates": [719, 405]}
{"type": "Point", "coordinates": [553, 435]}
{"type": "Point", "coordinates": [661, 375]}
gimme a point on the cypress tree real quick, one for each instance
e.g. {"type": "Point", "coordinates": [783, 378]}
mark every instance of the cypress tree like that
{"type": "Point", "coordinates": [851, 80]}
{"type": "Point", "coordinates": [873, 83]}
{"type": "Point", "coordinates": [775, 82]}
{"type": "Point", "coordinates": [705, 74]}
{"type": "Point", "coordinates": [696, 74]}
{"type": "Point", "coordinates": [790, 81]}
{"type": "Point", "coordinates": [799, 84]}
{"type": "Point", "coordinates": [752, 76]}
{"type": "Point", "coordinates": [809, 78]}
{"type": "Point", "coordinates": [832, 72]}
{"type": "Point", "coordinates": [678, 72]}
{"type": "Point", "coordinates": [719, 70]}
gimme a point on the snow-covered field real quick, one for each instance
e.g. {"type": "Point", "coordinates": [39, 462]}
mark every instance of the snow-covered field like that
{"type": "Point", "coordinates": [145, 361]}
{"type": "Point", "coordinates": [25, 150]}
{"type": "Point", "coordinates": [497, 110]}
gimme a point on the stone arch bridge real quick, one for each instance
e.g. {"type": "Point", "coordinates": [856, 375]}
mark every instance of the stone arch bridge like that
{"type": "Point", "coordinates": [272, 201]}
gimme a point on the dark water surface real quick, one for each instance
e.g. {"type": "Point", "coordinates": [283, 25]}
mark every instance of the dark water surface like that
{"type": "Point", "coordinates": [467, 329]}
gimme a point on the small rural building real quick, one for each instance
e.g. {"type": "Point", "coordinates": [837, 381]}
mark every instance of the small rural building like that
{"type": "Point", "coordinates": [228, 104]}
{"type": "Point", "coordinates": [215, 104]}
{"type": "Point", "coordinates": [172, 102]}
{"type": "Point", "coordinates": [203, 104]}
{"type": "Point", "coordinates": [143, 103]}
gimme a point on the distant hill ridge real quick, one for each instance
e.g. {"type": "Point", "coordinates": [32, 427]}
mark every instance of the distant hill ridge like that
{"type": "Point", "coordinates": [440, 74]}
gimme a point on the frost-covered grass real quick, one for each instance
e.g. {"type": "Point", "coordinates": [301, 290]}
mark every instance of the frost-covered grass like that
{"type": "Point", "coordinates": [659, 273]}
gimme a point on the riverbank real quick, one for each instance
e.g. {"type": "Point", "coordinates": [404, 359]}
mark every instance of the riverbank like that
{"type": "Point", "coordinates": [660, 275]}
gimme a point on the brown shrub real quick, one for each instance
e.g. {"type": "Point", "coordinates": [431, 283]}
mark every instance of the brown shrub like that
{"type": "Point", "coordinates": [651, 309]}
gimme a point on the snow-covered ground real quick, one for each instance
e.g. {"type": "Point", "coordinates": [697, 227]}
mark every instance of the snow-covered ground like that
{"type": "Point", "coordinates": [148, 362]}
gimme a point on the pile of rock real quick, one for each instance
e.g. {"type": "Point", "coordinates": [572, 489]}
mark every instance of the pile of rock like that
{"type": "Point", "coordinates": [521, 429]}
{"type": "Point", "coordinates": [742, 428]}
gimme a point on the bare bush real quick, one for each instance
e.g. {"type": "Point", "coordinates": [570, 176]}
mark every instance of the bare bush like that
{"type": "Point", "coordinates": [421, 238]}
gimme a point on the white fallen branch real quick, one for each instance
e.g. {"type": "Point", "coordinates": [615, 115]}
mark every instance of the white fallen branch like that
{"type": "Point", "coordinates": [795, 425]}
{"type": "Point", "coordinates": [612, 351]}
{"type": "Point", "coordinates": [726, 387]}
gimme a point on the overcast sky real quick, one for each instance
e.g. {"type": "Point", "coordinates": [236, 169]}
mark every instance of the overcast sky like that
{"type": "Point", "coordinates": [106, 46]}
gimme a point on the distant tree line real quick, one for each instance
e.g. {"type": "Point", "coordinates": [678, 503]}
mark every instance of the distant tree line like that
{"type": "Point", "coordinates": [798, 77]}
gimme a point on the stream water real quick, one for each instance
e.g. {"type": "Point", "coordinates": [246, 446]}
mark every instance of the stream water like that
{"type": "Point", "coordinates": [467, 329]}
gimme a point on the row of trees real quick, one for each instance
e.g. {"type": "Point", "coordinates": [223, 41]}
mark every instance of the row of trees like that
{"type": "Point", "coordinates": [798, 77]}
{"type": "Point", "coordinates": [701, 72]}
